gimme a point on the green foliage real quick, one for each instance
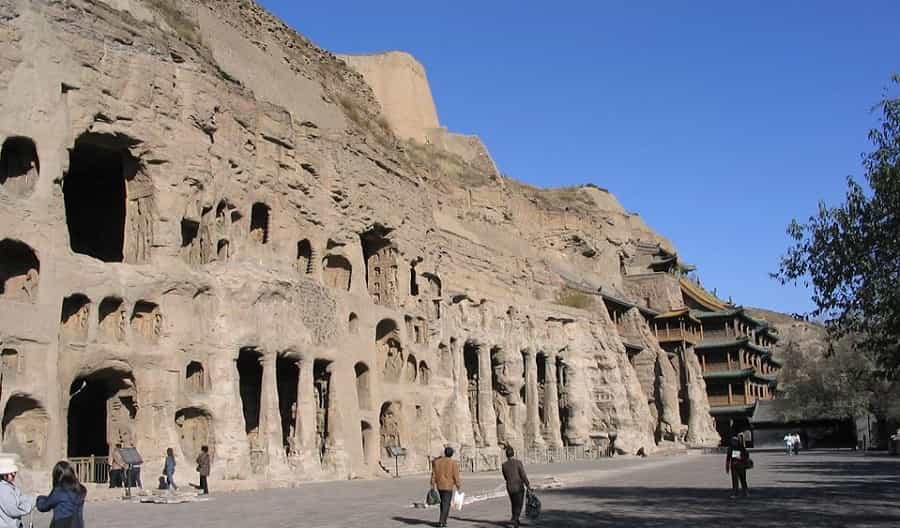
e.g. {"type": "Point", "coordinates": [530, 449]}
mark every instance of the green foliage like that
{"type": "Point", "coordinates": [573, 298]}
{"type": "Point", "coordinates": [830, 386]}
{"type": "Point", "coordinates": [850, 254]}
{"type": "Point", "coordinates": [844, 383]}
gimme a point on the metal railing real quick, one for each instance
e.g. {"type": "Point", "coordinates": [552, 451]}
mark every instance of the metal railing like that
{"type": "Point", "coordinates": [551, 455]}
{"type": "Point", "coordinates": [92, 469]}
{"type": "Point", "coordinates": [477, 459]}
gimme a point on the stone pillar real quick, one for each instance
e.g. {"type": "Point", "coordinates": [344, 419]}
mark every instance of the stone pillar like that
{"type": "Point", "coordinates": [335, 456]}
{"type": "Point", "coordinates": [533, 436]}
{"type": "Point", "coordinates": [551, 405]}
{"type": "Point", "coordinates": [487, 422]}
{"type": "Point", "coordinates": [306, 409]}
{"type": "Point", "coordinates": [269, 417]}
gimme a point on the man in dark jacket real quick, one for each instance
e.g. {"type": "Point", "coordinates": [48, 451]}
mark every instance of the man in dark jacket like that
{"type": "Point", "coordinates": [203, 463]}
{"type": "Point", "coordinates": [516, 483]}
{"type": "Point", "coordinates": [737, 459]}
{"type": "Point", "coordinates": [444, 478]}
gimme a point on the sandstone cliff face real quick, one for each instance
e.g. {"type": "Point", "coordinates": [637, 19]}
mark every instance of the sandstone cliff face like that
{"type": "Point", "coordinates": [210, 241]}
{"type": "Point", "coordinates": [401, 86]}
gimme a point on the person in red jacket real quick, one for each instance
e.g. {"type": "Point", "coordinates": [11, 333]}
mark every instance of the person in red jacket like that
{"type": "Point", "coordinates": [737, 460]}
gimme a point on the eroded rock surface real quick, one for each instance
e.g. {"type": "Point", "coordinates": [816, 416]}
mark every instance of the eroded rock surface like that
{"type": "Point", "coordinates": [212, 239]}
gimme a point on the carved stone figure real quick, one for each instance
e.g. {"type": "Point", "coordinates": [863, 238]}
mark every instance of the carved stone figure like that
{"type": "Point", "coordinates": [390, 427]}
{"type": "Point", "coordinates": [393, 365]}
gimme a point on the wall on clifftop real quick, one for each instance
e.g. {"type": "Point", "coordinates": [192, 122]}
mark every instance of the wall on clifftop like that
{"type": "Point", "coordinates": [401, 86]}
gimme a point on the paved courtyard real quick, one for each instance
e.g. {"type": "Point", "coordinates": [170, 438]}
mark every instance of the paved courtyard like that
{"type": "Point", "coordinates": [811, 490]}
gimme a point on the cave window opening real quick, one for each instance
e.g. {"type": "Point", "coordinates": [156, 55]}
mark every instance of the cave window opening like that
{"type": "Point", "coordinates": [250, 376]}
{"type": "Point", "coordinates": [304, 257]}
{"type": "Point", "coordinates": [287, 373]}
{"type": "Point", "coordinates": [322, 385]}
{"type": "Point", "coordinates": [470, 360]}
{"type": "Point", "coordinates": [100, 413]}
{"type": "Point", "coordinates": [259, 223]}
{"type": "Point", "coordinates": [95, 196]}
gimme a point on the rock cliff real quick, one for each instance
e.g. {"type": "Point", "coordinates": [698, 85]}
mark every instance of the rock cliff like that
{"type": "Point", "coordinates": [212, 238]}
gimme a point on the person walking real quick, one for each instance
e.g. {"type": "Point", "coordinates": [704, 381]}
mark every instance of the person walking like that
{"type": "Point", "coordinates": [516, 483]}
{"type": "Point", "coordinates": [444, 479]}
{"type": "Point", "coordinates": [66, 499]}
{"type": "Point", "coordinates": [789, 443]}
{"type": "Point", "coordinates": [796, 443]}
{"type": "Point", "coordinates": [13, 504]}
{"type": "Point", "coordinates": [116, 468]}
{"type": "Point", "coordinates": [737, 459]}
{"type": "Point", "coordinates": [203, 463]}
{"type": "Point", "coordinates": [169, 470]}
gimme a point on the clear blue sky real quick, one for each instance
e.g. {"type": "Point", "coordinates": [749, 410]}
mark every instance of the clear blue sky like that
{"type": "Point", "coordinates": [717, 121]}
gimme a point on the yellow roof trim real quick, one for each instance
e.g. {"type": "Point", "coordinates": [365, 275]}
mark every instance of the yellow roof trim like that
{"type": "Point", "coordinates": [702, 296]}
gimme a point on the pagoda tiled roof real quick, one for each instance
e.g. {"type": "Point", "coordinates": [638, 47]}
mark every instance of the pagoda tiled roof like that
{"type": "Point", "coordinates": [672, 314]}
{"type": "Point", "coordinates": [728, 374]}
{"type": "Point", "coordinates": [733, 409]}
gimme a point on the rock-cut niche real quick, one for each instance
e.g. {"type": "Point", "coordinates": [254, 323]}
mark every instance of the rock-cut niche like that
{"type": "Point", "coordinates": [250, 376]}
{"type": "Point", "coordinates": [25, 429]}
{"type": "Point", "coordinates": [304, 262]}
{"type": "Point", "coordinates": [259, 223]}
{"type": "Point", "coordinates": [195, 377]}
{"type": "Point", "coordinates": [382, 266]}
{"type": "Point", "coordinates": [391, 421]}
{"type": "Point", "coordinates": [287, 376]}
{"type": "Point", "coordinates": [113, 320]}
{"type": "Point", "coordinates": [19, 166]}
{"type": "Point", "coordinates": [10, 365]}
{"type": "Point", "coordinates": [19, 271]}
{"type": "Point", "coordinates": [363, 386]}
{"type": "Point", "coordinates": [390, 351]}
{"type": "Point", "coordinates": [75, 317]}
{"type": "Point", "coordinates": [337, 272]}
{"type": "Point", "coordinates": [146, 322]}
{"type": "Point", "coordinates": [108, 200]}
{"type": "Point", "coordinates": [194, 430]}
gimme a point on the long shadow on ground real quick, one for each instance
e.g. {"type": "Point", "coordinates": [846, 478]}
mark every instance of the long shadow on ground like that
{"type": "Point", "coordinates": [813, 493]}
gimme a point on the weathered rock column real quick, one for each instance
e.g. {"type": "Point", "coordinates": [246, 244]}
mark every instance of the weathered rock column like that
{"type": "Point", "coordinates": [269, 434]}
{"type": "Point", "coordinates": [336, 456]}
{"type": "Point", "coordinates": [533, 436]}
{"type": "Point", "coordinates": [551, 405]}
{"type": "Point", "coordinates": [487, 420]}
{"type": "Point", "coordinates": [306, 409]}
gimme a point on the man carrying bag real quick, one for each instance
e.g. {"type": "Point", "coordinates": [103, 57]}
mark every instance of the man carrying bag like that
{"type": "Point", "coordinates": [444, 479]}
{"type": "Point", "coordinates": [516, 483]}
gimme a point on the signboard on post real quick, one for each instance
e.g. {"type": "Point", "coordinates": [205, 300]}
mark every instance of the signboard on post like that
{"type": "Point", "coordinates": [131, 458]}
{"type": "Point", "coordinates": [396, 452]}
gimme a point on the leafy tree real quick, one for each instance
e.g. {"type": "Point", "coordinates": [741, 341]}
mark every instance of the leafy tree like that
{"type": "Point", "coordinates": [850, 254]}
{"type": "Point", "coordinates": [843, 384]}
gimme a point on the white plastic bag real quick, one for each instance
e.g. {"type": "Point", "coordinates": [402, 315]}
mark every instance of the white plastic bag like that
{"type": "Point", "coordinates": [458, 498]}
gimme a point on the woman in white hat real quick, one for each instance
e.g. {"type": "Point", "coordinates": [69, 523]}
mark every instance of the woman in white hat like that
{"type": "Point", "coordinates": [13, 504]}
